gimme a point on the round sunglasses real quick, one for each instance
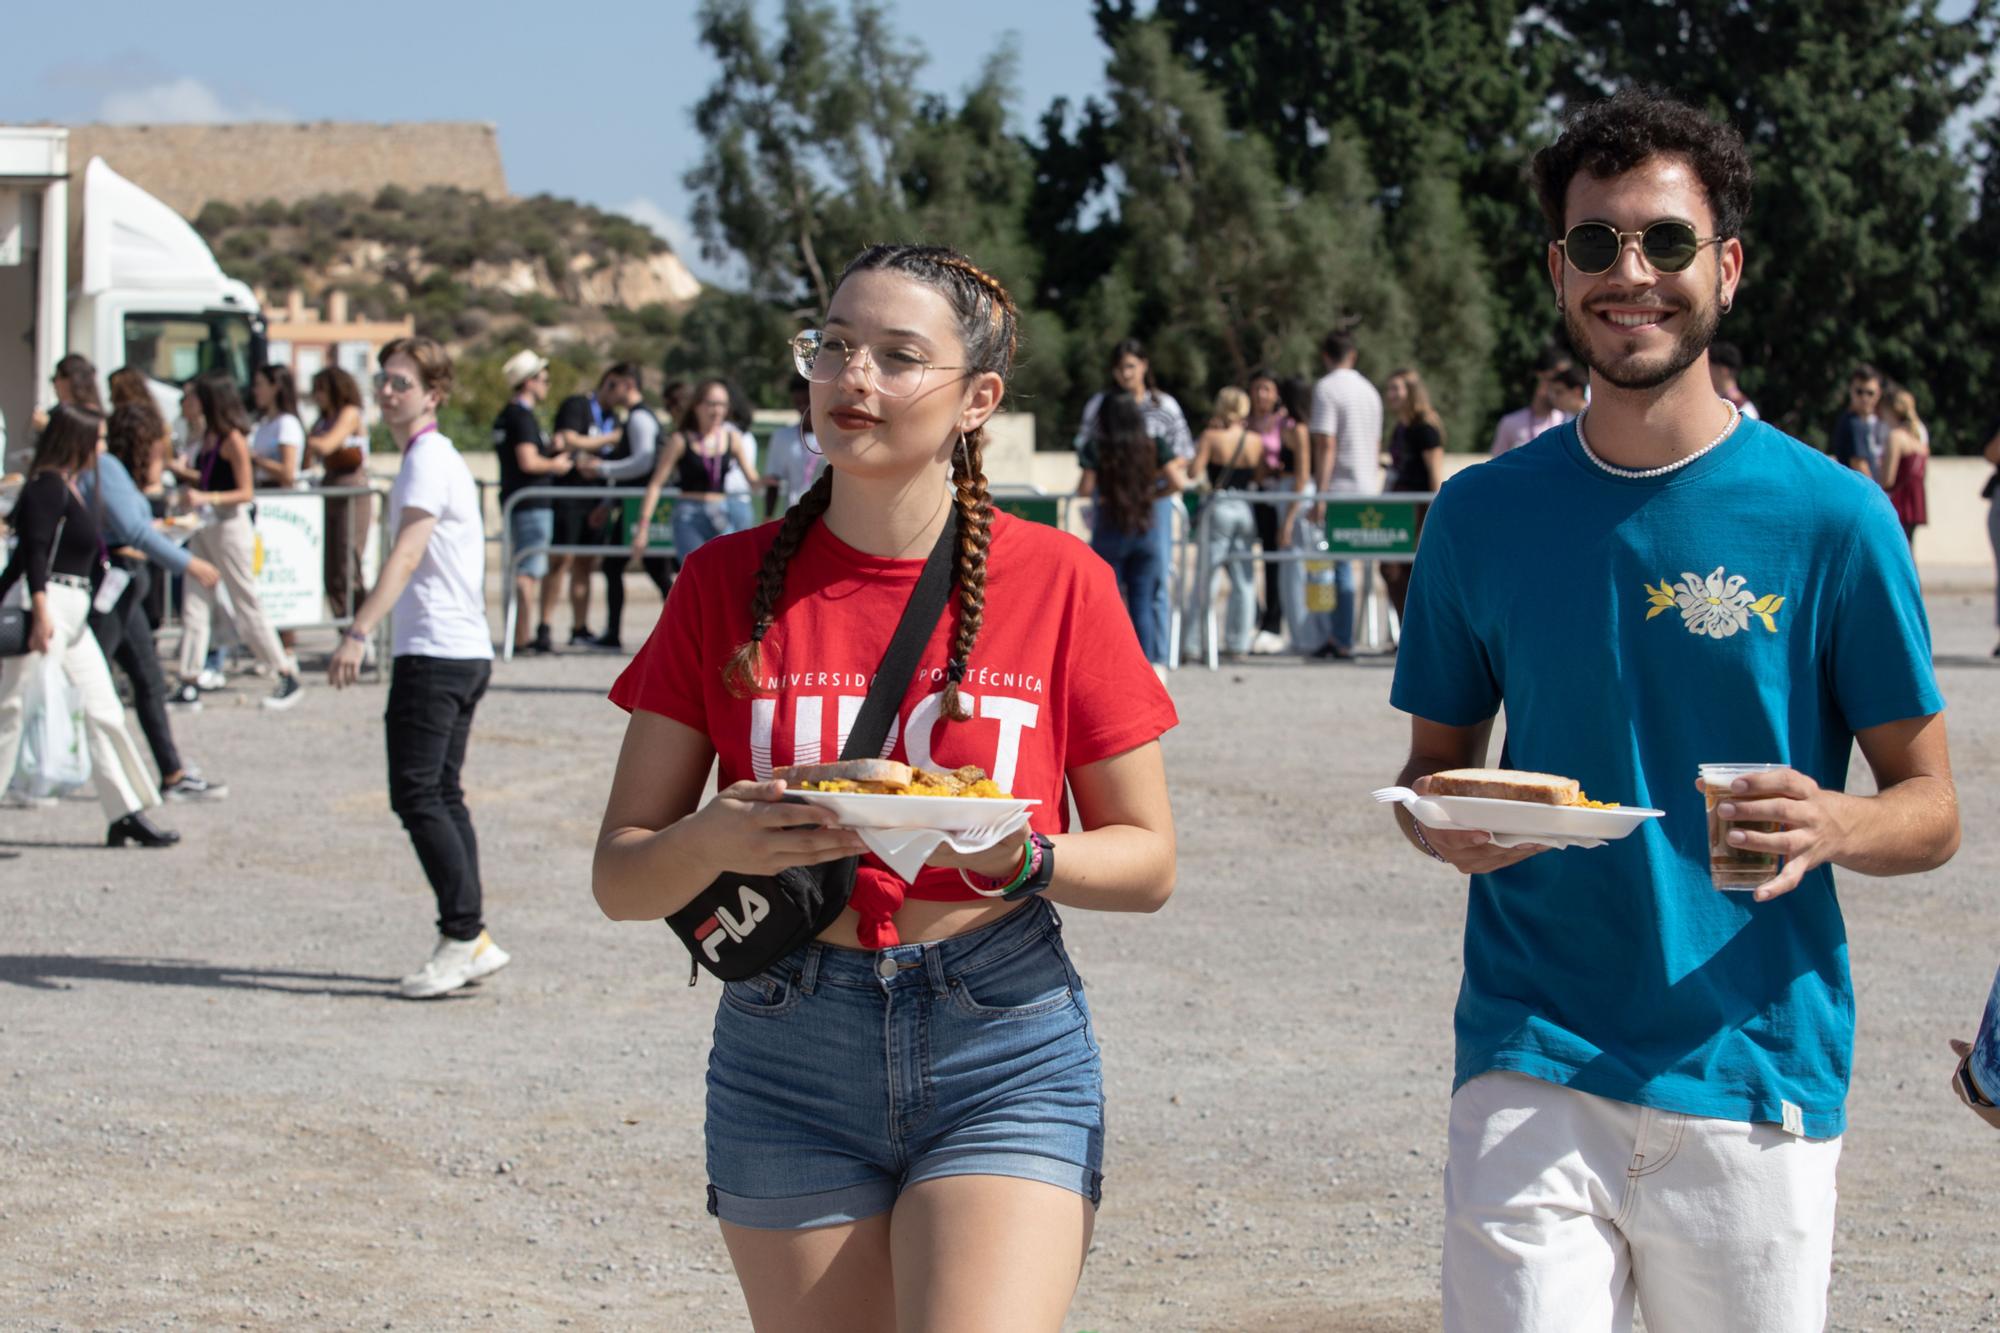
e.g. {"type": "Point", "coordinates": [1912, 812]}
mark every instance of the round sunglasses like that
{"type": "Point", "coordinates": [1593, 247]}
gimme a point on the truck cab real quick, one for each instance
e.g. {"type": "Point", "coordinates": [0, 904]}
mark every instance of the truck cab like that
{"type": "Point", "coordinates": [102, 268]}
{"type": "Point", "coordinates": [150, 294]}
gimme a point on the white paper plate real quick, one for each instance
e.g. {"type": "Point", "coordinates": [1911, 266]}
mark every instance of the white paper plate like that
{"type": "Point", "coordinates": [1532, 817]}
{"type": "Point", "coordinates": [947, 814]}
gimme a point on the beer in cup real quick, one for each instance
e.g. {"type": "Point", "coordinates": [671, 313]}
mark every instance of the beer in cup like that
{"type": "Point", "coordinates": [1733, 868]}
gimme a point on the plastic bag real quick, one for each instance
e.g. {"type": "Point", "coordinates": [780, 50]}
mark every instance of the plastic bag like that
{"type": "Point", "coordinates": [1306, 588]}
{"type": "Point", "coordinates": [55, 752]}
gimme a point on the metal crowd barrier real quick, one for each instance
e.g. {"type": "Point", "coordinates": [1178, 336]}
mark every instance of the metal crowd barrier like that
{"type": "Point", "coordinates": [511, 559]}
{"type": "Point", "coordinates": [1204, 594]}
{"type": "Point", "coordinates": [378, 494]}
{"type": "Point", "coordinates": [1027, 502]}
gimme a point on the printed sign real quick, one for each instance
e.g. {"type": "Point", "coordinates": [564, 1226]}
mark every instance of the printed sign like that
{"type": "Point", "coordinates": [289, 560]}
{"type": "Point", "coordinates": [659, 532]}
{"type": "Point", "coordinates": [1371, 529]}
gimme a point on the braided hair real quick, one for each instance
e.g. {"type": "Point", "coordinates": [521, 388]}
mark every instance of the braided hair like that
{"type": "Point", "coordinates": [987, 321]}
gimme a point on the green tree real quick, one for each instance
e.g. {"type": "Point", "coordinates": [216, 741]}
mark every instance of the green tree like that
{"type": "Point", "coordinates": [1446, 286]}
{"type": "Point", "coordinates": [803, 140]}
{"type": "Point", "coordinates": [1444, 99]}
{"type": "Point", "coordinates": [1221, 267]}
{"type": "Point", "coordinates": [1855, 245]}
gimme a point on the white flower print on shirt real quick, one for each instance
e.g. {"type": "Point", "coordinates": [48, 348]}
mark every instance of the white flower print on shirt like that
{"type": "Point", "coordinates": [1716, 606]}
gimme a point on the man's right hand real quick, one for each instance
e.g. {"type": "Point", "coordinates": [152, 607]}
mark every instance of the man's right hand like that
{"type": "Point", "coordinates": [1471, 851]}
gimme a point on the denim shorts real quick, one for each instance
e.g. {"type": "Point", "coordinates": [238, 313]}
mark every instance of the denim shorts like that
{"type": "Point", "coordinates": [833, 1087]}
{"type": "Point", "coordinates": [532, 527]}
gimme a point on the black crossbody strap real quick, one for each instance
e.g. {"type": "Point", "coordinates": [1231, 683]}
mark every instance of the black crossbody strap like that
{"type": "Point", "coordinates": [913, 633]}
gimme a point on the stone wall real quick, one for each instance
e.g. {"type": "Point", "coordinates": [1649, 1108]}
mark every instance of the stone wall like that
{"type": "Point", "coordinates": [188, 165]}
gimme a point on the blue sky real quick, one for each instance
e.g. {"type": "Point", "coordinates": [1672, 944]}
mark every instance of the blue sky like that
{"type": "Point", "coordinates": [596, 109]}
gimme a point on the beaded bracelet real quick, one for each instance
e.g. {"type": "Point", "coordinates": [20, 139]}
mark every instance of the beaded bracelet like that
{"type": "Point", "coordinates": [1031, 856]}
{"type": "Point", "coordinates": [1425, 843]}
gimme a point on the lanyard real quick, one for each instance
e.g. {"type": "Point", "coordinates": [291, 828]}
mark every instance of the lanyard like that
{"type": "Point", "coordinates": [428, 428]}
{"type": "Point", "coordinates": [209, 455]}
{"type": "Point", "coordinates": [715, 465]}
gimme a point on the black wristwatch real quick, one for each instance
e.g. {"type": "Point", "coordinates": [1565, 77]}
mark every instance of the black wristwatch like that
{"type": "Point", "coordinates": [1044, 852]}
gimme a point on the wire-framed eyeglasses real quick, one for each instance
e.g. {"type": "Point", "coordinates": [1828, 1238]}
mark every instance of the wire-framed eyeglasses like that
{"type": "Point", "coordinates": [898, 371]}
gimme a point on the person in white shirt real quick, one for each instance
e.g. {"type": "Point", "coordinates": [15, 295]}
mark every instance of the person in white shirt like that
{"type": "Point", "coordinates": [434, 580]}
{"type": "Point", "coordinates": [794, 459]}
{"type": "Point", "coordinates": [1346, 433]}
{"type": "Point", "coordinates": [1542, 412]}
{"type": "Point", "coordinates": [278, 442]}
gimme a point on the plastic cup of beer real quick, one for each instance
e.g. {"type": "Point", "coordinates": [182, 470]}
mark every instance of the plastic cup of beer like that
{"type": "Point", "coordinates": [1731, 868]}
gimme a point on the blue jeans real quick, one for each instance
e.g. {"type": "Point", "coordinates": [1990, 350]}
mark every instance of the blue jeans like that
{"type": "Point", "coordinates": [531, 527]}
{"type": "Point", "coordinates": [1232, 542]}
{"type": "Point", "coordinates": [833, 1087]}
{"type": "Point", "coordinates": [1137, 560]}
{"type": "Point", "coordinates": [1346, 601]}
{"type": "Point", "coordinates": [696, 522]}
{"type": "Point", "coordinates": [1162, 533]}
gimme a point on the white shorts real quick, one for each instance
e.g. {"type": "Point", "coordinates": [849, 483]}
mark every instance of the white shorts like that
{"type": "Point", "coordinates": [1563, 1208]}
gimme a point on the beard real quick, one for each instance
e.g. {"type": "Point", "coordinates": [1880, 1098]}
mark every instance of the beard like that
{"type": "Point", "coordinates": [1633, 371]}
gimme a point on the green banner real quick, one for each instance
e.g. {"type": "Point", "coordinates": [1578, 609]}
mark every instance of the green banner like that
{"type": "Point", "coordinates": [659, 532]}
{"type": "Point", "coordinates": [1030, 507]}
{"type": "Point", "coordinates": [1369, 529]}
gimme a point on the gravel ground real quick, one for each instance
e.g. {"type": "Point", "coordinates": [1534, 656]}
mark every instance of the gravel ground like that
{"type": "Point", "coordinates": [212, 1116]}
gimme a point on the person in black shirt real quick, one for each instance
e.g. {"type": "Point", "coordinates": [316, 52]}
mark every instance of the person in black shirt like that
{"type": "Point", "coordinates": [1416, 460]}
{"type": "Point", "coordinates": [587, 426]}
{"type": "Point", "coordinates": [527, 459]}
{"type": "Point", "coordinates": [59, 553]}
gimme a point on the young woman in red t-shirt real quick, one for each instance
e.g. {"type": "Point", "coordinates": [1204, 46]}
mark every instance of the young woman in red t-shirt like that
{"type": "Point", "coordinates": [905, 1117]}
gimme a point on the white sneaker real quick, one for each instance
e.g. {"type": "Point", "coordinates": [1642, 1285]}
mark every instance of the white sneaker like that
{"type": "Point", "coordinates": [452, 964]}
{"type": "Point", "coordinates": [1267, 643]}
{"type": "Point", "coordinates": [210, 680]}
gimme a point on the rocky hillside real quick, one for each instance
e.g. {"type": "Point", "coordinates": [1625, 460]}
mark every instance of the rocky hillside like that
{"type": "Point", "coordinates": [475, 273]}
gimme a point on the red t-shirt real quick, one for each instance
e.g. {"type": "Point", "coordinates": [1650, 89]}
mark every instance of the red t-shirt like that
{"type": "Point", "coordinates": [1056, 678]}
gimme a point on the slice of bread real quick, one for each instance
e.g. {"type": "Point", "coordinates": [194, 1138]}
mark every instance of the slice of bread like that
{"type": "Point", "coordinates": [874, 774]}
{"type": "Point", "coordinates": [1507, 784]}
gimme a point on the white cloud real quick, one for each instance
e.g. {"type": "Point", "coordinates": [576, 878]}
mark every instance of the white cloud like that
{"type": "Point", "coordinates": [182, 101]}
{"type": "Point", "coordinates": [675, 231]}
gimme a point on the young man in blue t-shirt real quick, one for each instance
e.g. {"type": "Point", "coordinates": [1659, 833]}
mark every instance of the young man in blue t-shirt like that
{"type": "Point", "coordinates": [1651, 1073]}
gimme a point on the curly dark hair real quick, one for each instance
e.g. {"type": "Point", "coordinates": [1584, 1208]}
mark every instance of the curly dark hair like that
{"type": "Point", "coordinates": [1613, 136]}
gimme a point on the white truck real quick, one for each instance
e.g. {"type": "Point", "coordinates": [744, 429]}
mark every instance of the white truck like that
{"type": "Point", "coordinates": [129, 282]}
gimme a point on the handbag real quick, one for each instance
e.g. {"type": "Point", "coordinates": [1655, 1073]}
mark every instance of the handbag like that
{"type": "Point", "coordinates": [16, 617]}
{"type": "Point", "coordinates": [741, 924]}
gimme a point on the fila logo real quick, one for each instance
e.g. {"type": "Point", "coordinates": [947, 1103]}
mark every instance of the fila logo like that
{"type": "Point", "coordinates": [722, 925]}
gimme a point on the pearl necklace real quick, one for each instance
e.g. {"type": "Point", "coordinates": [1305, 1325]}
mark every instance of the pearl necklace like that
{"type": "Point", "coordinates": [1643, 474]}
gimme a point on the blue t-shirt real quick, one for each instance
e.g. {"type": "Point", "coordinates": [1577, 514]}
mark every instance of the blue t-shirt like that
{"type": "Point", "coordinates": [1758, 605]}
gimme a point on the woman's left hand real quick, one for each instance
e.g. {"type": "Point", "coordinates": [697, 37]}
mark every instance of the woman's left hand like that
{"type": "Point", "coordinates": [998, 862]}
{"type": "Point", "coordinates": [41, 631]}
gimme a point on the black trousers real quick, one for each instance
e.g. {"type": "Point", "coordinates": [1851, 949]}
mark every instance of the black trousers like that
{"type": "Point", "coordinates": [126, 636]}
{"type": "Point", "coordinates": [614, 588]}
{"type": "Point", "coordinates": [429, 719]}
{"type": "Point", "coordinates": [1267, 536]}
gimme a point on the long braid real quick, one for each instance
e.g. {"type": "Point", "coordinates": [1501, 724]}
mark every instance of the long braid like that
{"type": "Point", "coordinates": [743, 672]}
{"type": "Point", "coordinates": [989, 324]}
{"type": "Point", "coordinates": [975, 535]}
{"type": "Point", "coordinates": [975, 507]}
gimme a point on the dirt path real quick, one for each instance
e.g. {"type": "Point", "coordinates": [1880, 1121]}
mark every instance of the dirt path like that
{"type": "Point", "coordinates": [212, 1117]}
